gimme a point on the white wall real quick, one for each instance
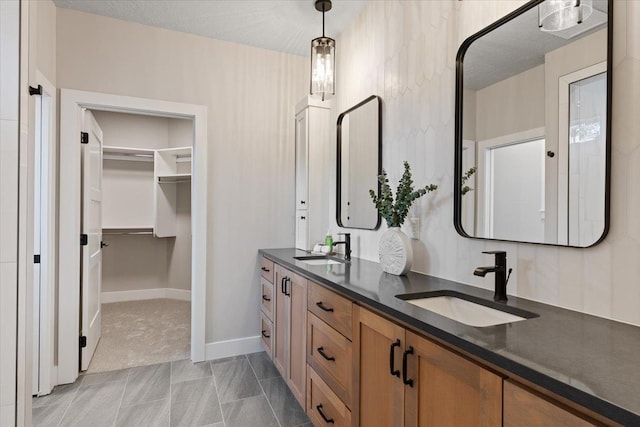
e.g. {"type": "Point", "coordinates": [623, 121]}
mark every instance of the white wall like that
{"type": "Point", "coordinates": [9, 83]}
{"type": "Point", "coordinates": [405, 52]}
{"type": "Point", "coordinates": [250, 94]}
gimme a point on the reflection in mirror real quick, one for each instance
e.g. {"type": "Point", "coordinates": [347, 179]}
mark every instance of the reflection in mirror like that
{"type": "Point", "coordinates": [359, 164]}
{"type": "Point", "coordinates": [532, 115]}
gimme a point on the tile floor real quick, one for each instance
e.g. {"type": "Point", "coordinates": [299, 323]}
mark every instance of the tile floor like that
{"type": "Point", "coordinates": [242, 391]}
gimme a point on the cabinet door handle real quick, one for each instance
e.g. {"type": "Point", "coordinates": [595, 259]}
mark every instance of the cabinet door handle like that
{"type": "Point", "coordinates": [324, 417]}
{"type": "Point", "coordinates": [302, 202]}
{"type": "Point", "coordinates": [303, 217]}
{"type": "Point", "coordinates": [287, 280]}
{"type": "Point", "coordinates": [264, 334]}
{"type": "Point", "coordinates": [406, 380]}
{"type": "Point", "coordinates": [323, 354]}
{"type": "Point", "coordinates": [392, 359]}
{"type": "Point", "coordinates": [282, 285]}
{"type": "Point", "coordinates": [322, 307]}
{"type": "Point", "coordinates": [264, 297]}
{"type": "Point", "coordinates": [265, 269]}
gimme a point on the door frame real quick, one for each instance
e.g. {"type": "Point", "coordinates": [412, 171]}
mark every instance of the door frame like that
{"type": "Point", "coordinates": [71, 104]}
{"type": "Point", "coordinates": [43, 332]}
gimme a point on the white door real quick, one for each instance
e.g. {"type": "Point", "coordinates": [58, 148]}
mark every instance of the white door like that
{"type": "Point", "coordinates": [91, 275]}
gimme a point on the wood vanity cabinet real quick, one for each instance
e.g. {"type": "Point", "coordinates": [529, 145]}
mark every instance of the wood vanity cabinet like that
{"type": "Point", "coordinates": [523, 407]}
{"type": "Point", "coordinates": [329, 357]}
{"type": "Point", "coordinates": [290, 320]}
{"type": "Point", "coordinates": [403, 379]}
{"type": "Point", "coordinates": [267, 303]}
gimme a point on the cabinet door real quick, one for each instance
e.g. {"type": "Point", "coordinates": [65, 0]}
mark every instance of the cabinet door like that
{"type": "Point", "coordinates": [302, 231]}
{"type": "Point", "coordinates": [378, 394]}
{"type": "Point", "coordinates": [296, 289]}
{"type": "Point", "coordinates": [447, 389]}
{"type": "Point", "coordinates": [523, 408]}
{"type": "Point", "coordinates": [281, 322]}
{"type": "Point", "coordinates": [302, 160]}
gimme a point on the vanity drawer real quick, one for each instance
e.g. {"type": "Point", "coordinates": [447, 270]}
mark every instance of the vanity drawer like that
{"type": "Point", "coordinates": [330, 354]}
{"type": "Point", "coordinates": [324, 408]}
{"type": "Point", "coordinates": [266, 269]}
{"type": "Point", "coordinates": [267, 333]}
{"type": "Point", "coordinates": [330, 307]}
{"type": "Point", "coordinates": [266, 300]}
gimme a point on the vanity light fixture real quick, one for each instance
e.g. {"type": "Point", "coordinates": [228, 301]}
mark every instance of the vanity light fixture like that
{"type": "Point", "coordinates": [323, 59]}
{"type": "Point", "coordinates": [558, 15]}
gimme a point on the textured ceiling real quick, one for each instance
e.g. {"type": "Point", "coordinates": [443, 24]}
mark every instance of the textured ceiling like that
{"type": "Point", "coordinates": [281, 25]}
{"type": "Point", "coordinates": [513, 48]}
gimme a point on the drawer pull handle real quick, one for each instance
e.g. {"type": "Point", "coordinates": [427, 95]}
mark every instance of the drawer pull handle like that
{"type": "Point", "coordinates": [406, 380]}
{"type": "Point", "coordinates": [302, 202]}
{"type": "Point", "coordinates": [264, 297]}
{"type": "Point", "coordinates": [323, 354]}
{"type": "Point", "coordinates": [324, 417]}
{"type": "Point", "coordinates": [264, 334]}
{"type": "Point", "coordinates": [392, 357]}
{"type": "Point", "coordinates": [322, 307]}
{"type": "Point", "coordinates": [265, 269]}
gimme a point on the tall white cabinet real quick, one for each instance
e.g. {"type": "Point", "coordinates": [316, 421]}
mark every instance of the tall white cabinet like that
{"type": "Point", "coordinates": [313, 151]}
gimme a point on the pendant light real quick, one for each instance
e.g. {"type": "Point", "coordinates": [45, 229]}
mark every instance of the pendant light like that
{"type": "Point", "coordinates": [323, 59]}
{"type": "Point", "coordinates": [558, 15]}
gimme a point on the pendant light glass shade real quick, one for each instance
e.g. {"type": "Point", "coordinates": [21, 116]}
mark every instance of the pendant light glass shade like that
{"type": "Point", "coordinates": [558, 15]}
{"type": "Point", "coordinates": [323, 54]}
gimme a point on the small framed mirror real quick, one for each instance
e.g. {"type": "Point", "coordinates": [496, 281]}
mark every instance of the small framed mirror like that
{"type": "Point", "coordinates": [533, 126]}
{"type": "Point", "coordinates": [359, 164]}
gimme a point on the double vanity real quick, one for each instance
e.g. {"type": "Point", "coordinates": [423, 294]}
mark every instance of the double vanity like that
{"type": "Point", "coordinates": [360, 347]}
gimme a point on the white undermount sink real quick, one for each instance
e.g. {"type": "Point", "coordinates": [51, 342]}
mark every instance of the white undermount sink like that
{"type": "Point", "coordinates": [462, 310]}
{"type": "Point", "coordinates": [324, 261]}
{"type": "Point", "coordinates": [317, 260]}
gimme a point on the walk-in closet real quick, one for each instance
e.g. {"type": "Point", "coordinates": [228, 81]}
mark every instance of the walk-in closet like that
{"type": "Point", "coordinates": [146, 240]}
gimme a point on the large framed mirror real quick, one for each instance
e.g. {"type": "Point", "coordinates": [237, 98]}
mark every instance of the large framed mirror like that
{"type": "Point", "coordinates": [533, 126]}
{"type": "Point", "coordinates": [359, 163]}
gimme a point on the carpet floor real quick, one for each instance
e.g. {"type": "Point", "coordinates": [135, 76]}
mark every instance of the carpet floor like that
{"type": "Point", "coordinates": [138, 333]}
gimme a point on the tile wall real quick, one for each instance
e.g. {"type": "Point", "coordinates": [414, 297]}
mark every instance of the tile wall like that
{"type": "Point", "coordinates": [404, 51]}
{"type": "Point", "coordinates": [9, 51]}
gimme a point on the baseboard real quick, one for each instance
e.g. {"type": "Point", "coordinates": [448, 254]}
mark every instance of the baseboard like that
{"type": "Point", "coordinates": [237, 347]}
{"type": "Point", "coordinates": [143, 294]}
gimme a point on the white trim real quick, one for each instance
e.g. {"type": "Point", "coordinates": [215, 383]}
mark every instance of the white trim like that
{"type": "Point", "coordinates": [236, 347]}
{"type": "Point", "coordinates": [71, 104]}
{"type": "Point", "coordinates": [145, 294]}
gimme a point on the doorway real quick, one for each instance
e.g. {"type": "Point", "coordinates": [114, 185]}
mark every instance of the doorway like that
{"type": "Point", "coordinates": [144, 247]}
{"type": "Point", "coordinates": [74, 104]}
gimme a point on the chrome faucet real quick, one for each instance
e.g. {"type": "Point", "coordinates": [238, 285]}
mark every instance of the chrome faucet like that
{"type": "Point", "coordinates": [500, 269]}
{"type": "Point", "coordinates": [347, 245]}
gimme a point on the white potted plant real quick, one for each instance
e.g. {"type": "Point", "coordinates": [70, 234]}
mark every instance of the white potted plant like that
{"type": "Point", "coordinates": [396, 253]}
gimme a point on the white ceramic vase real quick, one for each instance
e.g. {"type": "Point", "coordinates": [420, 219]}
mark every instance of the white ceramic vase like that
{"type": "Point", "coordinates": [396, 252]}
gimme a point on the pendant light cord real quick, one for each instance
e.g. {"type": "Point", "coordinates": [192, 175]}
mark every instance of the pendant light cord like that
{"type": "Point", "coordinates": [323, 22]}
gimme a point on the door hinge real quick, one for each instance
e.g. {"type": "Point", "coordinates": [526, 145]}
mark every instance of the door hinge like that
{"type": "Point", "coordinates": [84, 240]}
{"type": "Point", "coordinates": [83, 341]}
{"type": "Point", "coordinates": [84, 137]}
{"type": "Point", "coordinates": [36, 259]}
{"type": "Point", "coordinates": [35, 90]}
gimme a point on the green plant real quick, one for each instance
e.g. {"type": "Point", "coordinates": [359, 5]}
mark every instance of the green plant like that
{"type": "Point", "coordinates": [465, 177]}
{"type": "Point", "coordinates": [396, 212]}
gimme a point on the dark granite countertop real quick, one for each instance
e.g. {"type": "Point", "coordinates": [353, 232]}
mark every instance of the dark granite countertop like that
{"type": "Point", "coordinates": [589, 360]}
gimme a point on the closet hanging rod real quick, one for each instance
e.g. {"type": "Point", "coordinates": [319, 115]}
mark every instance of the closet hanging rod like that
{"type": "Point", "coordinates": [133, 157]}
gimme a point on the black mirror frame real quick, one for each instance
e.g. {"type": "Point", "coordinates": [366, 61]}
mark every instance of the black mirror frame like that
{"type": "Point", "coordinates": [339, 159]}
{"type": "Point", "coordinates": [457, 180]}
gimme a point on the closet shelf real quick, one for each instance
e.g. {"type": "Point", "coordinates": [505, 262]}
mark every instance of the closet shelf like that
{"type": "Point", "coordinates": [127, 153]}
{"type": "Point", "coordinates": [141, 231]}
{"type": "Point", "coordinates": [174, 178]}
